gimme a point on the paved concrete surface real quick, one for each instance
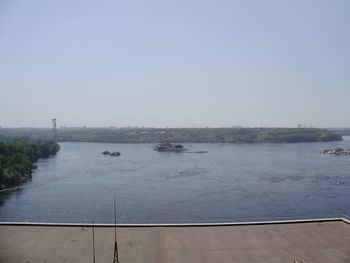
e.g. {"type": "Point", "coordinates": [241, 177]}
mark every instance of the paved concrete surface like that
{"type": "Point", "coordinates": [310, 242]}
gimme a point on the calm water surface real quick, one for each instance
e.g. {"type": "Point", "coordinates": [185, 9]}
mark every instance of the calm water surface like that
{"type": "Point", "coordinates": [233, 182]}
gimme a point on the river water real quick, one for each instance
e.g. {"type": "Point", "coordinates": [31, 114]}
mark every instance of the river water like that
{"type": "Point", "coordinates": [232, 182]}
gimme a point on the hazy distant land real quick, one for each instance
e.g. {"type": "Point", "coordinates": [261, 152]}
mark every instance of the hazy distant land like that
{"type": "Point", "coordinates": [179, 135]}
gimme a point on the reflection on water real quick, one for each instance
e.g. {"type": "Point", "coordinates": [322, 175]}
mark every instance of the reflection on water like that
{"type": "Point", "coordinates": [232, 182]}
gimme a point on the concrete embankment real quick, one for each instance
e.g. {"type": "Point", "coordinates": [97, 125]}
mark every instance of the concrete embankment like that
{"type": "Point", "coordinates": [311, 241]}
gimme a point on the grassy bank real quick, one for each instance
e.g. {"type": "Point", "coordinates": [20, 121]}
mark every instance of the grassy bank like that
{"type": "Point", "coordinates": [17, 156]}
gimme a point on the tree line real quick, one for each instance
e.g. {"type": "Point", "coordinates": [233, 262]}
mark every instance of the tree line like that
{"type": "Point", "coordinates": [18, 155]}
{"type": "Point", "coordinates": [181, 135]}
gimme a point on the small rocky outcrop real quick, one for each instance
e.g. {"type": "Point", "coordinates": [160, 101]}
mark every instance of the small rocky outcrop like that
{"type": "Point", "coordinates": [111, 153]}
{"type": "Point", "coordinates": [337, 151]}
{"type": "Point", "coordinates": [169, 147]}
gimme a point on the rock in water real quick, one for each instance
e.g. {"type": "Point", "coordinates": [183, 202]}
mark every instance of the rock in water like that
{"type": "Point", "coordinates": [106, 153]}
{"type": "Point", "coordinates": [114, 154]}
{"type": "Point", "coordinates": [169, 147]}
{"type": "Point", "coordinates": [337, 151]}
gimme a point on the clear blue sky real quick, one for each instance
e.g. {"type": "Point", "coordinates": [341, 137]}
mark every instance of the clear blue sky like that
{"type": "Point", "coordinates": [175, 63]}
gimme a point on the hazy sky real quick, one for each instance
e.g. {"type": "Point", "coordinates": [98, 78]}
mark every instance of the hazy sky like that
{"type": "Point", "coordinates": [175, 63]}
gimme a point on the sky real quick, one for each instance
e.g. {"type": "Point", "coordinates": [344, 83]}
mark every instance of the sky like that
{"type": "Point", "coordinates": [180, 63]}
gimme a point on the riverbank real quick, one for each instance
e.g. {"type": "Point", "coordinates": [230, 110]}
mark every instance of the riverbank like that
{"type": "Point", "coordinates": [17, 158]}
{"type": "Point", "coordinates": [180, 135]}
{"type": "Point", "coordinates": [308, 242]}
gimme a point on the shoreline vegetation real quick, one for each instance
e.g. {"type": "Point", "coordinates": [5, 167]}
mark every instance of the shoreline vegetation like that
{"type": "Point", "coordinates": [178, 135]}
{"type": "Point", "coordinates": [17, 158]}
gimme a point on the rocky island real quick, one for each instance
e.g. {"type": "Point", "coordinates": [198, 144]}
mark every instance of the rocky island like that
{"type": "Point", "coordinates": [111, 153]}
{"type": "Point", "coordinates": [169, 147]}
{"type": "Point", "coordinates": [337, 151]}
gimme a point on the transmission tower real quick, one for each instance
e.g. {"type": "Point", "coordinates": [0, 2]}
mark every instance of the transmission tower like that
{"type": "Point", "coordinates": [54, 129]}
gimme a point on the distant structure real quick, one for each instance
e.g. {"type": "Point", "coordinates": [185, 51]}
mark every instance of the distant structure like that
{"type": "Point", "coordinates": [54, 129]}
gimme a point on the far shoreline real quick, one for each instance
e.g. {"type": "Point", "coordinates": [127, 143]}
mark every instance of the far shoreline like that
{"type": "Point", "coordinates": [179, 135]}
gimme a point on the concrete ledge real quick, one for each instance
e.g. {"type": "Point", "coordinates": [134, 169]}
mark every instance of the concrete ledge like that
{"type": "Point", "coordinates": [346, 220]}
{"type": "Point", "coordinates": [253, 242]}
{"type": "Point", "coordinates": [181, 224]}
